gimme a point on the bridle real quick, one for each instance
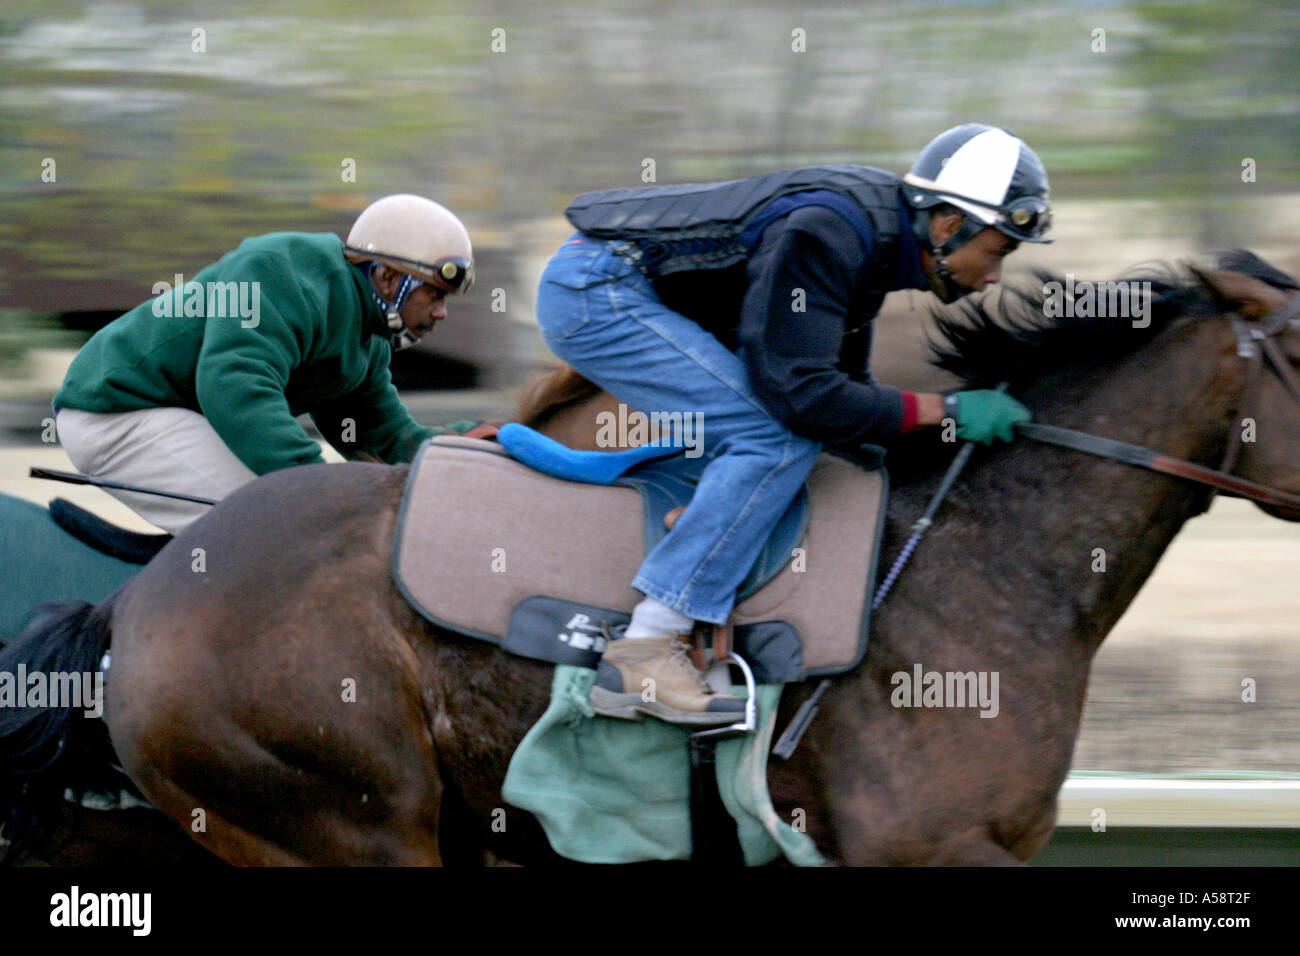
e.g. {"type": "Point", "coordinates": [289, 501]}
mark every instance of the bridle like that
{"type": "Point", "coordinates": [1257, 344]}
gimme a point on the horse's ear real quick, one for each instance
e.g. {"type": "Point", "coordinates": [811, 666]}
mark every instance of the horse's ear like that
{"type": "Point", "coordinates": [1235, 292]}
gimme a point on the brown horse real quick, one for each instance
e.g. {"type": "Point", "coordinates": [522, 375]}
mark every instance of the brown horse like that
{"type": "Point", "coordinates": [234, 651]}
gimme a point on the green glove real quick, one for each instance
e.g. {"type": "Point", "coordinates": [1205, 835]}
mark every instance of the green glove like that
{"type": "Point", "coordinates": [985, 415]}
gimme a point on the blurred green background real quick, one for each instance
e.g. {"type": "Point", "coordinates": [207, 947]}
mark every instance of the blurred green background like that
{"type": "Point", "coordinates": [166, 157]}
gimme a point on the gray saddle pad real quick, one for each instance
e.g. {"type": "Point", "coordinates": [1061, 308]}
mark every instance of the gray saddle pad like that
{"type": "Point", "coordinates": [489, 548]}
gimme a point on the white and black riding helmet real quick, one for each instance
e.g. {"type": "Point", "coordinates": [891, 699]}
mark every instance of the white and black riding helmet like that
{"type": "Point", "coordinates": [987, 173]}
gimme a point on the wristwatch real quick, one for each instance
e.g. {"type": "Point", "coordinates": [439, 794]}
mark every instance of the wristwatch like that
{"type": "Point", "coordinates": [951, 406]}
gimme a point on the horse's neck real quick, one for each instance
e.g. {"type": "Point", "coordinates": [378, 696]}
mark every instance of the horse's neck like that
{"type": "Point", "coordinates": [1088, 531]}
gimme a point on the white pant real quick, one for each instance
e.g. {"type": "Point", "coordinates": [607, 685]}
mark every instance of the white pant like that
{"type": "Point", "coordinates": [170, 449]}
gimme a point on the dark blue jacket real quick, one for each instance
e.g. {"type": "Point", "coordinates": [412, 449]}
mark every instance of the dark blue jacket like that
{"type": "Point", "coordinates": [810, 367]}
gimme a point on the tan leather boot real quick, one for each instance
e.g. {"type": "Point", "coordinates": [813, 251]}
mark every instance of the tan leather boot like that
{"type": "Point", "coordinates": [654, 675]}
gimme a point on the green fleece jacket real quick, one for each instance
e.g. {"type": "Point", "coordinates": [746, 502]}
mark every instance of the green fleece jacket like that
{"type": "Point", "coordinates": [282, 326]}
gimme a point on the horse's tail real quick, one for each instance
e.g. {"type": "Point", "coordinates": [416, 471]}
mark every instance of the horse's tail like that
{"type": "Point", "coordinates": [47, 743]}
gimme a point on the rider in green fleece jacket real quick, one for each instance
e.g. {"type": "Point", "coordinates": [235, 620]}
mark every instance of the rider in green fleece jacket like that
{"type": "Point", "coordinates": [215, 372]}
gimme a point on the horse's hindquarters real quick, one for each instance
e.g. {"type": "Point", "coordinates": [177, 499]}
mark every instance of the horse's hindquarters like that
{"type": "Point", "coordinates": [261, 694]}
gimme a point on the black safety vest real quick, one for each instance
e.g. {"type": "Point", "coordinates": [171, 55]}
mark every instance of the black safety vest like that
{"type": "Point", "coordinates": [703, 225]}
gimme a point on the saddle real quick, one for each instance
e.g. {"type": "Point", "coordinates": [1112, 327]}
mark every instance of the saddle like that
{"type": "Point", "coordinates": [540, 565]}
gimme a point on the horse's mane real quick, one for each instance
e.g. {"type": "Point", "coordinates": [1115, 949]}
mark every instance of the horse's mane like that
{"type": "Point", "coordinates": [1006, 335]}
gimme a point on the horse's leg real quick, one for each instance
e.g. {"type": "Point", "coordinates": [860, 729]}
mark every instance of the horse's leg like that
{"type": "Point", "coordinates": [972, 848]}
{"type": "Point", "coordinates": [275, 690]}
{"type": "Point", "coordinates": [113, 838]}
{"type": "Point", "coordinates": [293, 773]}
{"type": "Point", "coordinates": [1036, 837]}
{"type": "Point", "coordinates": [336, 841]}
{"type": "Point", "coordinates": [864, 777]}
{"type": "Point", "coordinates": [252, 796]}
{"type": "Point", "coordinates": [228, 840]}
{"type": "Point", "coordinates": [869, 833]}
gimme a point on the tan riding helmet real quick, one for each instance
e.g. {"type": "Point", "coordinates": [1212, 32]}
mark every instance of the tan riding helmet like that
{"type": "Point", "coordinates": [415, 236]}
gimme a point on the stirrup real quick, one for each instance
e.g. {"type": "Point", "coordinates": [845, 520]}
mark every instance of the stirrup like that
{"type": "Point", "coordinates": [749, 722]}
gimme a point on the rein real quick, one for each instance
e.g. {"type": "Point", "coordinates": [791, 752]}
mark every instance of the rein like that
{"type": "Point", "coordinates": [1154, 461]}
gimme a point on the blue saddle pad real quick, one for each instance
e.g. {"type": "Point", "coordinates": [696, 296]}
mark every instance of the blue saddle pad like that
{"type": "Point", "coordinates": [666, 479]}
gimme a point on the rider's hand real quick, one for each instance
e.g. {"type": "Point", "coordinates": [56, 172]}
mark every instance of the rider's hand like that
{"type": "Point", "coordinates": [985, 415]}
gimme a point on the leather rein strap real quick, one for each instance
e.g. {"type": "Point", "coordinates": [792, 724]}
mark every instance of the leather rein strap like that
{"type": "Point", "coordinates": [1255, 343]}
{"type": "Point", "coordinates": [1146, 458]}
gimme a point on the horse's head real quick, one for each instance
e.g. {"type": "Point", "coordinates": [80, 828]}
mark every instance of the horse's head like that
{"type": "Point", "coordinates": [1266, 317]}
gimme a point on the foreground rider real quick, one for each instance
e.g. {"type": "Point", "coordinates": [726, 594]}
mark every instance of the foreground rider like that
{"type": "Point", "coordinates": [196, 391]}
{"type": "Point", "coordinates": [749, 303]}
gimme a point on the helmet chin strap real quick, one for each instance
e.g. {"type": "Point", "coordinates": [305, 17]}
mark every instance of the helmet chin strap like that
{"type": "Point", "coordinates": [402, 340]}
{"type": "Point", "coordinates": [401, 337]}
{"type": "Point", "coordinates": [952, 289]}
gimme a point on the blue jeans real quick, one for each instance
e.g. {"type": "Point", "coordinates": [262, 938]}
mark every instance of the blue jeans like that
{"type": "Point", "coordinates": [602, 317]}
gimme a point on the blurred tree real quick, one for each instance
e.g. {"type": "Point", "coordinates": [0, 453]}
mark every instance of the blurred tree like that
{"type": "Point", "coordinates": [1221, 84]}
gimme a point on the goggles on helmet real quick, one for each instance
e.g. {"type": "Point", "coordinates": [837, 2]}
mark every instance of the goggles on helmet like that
{"type": "Point", "coordinates": [453, 273]}
{"type": "Point", "coordinates": [1028, 217]}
